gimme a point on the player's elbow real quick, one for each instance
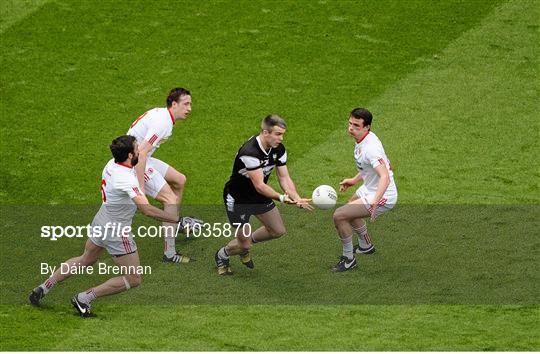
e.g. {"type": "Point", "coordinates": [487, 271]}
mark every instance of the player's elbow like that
{"type": "Point", "coordinates": [260, 188]}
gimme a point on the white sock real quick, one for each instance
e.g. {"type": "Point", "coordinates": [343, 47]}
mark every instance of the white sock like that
{"type": "Point", "coordinates": [347, 247]}
{"type": "Point", "coordinates": [48, 284]}
{"type": "Point", "coordinates": [87, 296]}
{"type": "Point", "coordinates": [170, 239]}
{"type": "Point", "coordinates": [363, 237]}
{"type": "Point", "coordinates": [222, 253]}
{"type": "Point", "coordinates": [170, 247]}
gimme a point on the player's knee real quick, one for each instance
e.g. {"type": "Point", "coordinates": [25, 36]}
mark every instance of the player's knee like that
{"type": "Point", "coordinates": [178, 181]}
{"type": "Point", "coordinates": [181, 180]}
{"type": "Point", "coordinates": [134, 280]}
{"type": "Point", "coordinates": [277, 232]}
{"type": "Point", "coordinates": [339, 216]}
{"type": "Point", "coordinates": [167, 197]}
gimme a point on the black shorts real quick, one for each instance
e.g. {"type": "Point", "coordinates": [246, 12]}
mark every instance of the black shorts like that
{"type": "Point", "coordinates": [240, 212]}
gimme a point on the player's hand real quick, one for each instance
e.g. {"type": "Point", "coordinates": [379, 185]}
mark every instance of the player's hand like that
{"type": "Point", "coordinates": [373, 211]}
{"type": "Point", "coordinates": [345, 184]}
{"type": "Point", "coordinates": [284, 198]}
{"type": "Point", "coordinates": [303, 203]}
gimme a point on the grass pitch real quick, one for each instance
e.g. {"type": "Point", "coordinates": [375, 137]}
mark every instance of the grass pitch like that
{"type": "Point", "coordinates": [453, 87]}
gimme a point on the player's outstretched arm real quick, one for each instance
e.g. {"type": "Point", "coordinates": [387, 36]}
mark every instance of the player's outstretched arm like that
{"type": "Point", "coordinates": [257, 178]}
{"type": "Point", "coordinates": [288, 186]}
{"type": "Point", "coordinates": [349, 182]}
{"type": "Point", "coordinates": [149, 210]}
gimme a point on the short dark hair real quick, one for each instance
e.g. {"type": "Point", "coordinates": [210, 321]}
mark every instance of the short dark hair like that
{"type": "Point", "coordinates": [272, 120]}
{"type": "Point", "coordinates": [364, 114]}
{"type": "Point", "coordinates": [175, 94]}
{"type": "Point", "coordinates": [122, 146]}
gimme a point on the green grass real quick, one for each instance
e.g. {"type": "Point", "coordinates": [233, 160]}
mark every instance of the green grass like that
{"type": "Point", "coordinates": [15, 10]}
{"type": "Point", "coordinates": [276, 327]}
{"type": "Point", "coordinates": [454, 89]}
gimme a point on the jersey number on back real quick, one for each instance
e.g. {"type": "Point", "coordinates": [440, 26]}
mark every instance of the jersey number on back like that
{"type": "Point", "coordinates": [103, 185]}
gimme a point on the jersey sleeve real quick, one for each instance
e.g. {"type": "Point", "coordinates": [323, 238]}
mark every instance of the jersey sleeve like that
{"type": "Point", "coordinates": [375, 156]}
{"type": "Point", "coordinates": [251, 163]}
{"type": "Point", "coordinates": [129, 185]}
{"type": "Point", "coordinates": [156, 132]}
{"type": "Point", "coordinates": [281, 158]}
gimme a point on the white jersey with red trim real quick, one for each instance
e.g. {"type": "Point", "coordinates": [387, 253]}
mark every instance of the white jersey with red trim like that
{"type": "Point", "coordinates": [369, 153]}
{"type": "Point", "coordinates": [119, 185]}
{"type": "Point", "coordinates": [154, 126]}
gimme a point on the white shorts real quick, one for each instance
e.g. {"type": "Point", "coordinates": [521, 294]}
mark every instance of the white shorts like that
{"type": "Point", "coordinates": [154, 176]}
{"type": "Point", "coordinates": [116, 245]}
{"type": "Point", "coordinates": [388, 201]}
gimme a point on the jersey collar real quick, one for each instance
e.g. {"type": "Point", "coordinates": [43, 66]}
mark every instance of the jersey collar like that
{"type": "Point", "coordinates": [258, 138]}
{"type": "Point", "coordinates": [172, 117]}
{"type": "Point", "coordinates": [362, 137]}
{"type": "Point", "coordinates": [123, 164]}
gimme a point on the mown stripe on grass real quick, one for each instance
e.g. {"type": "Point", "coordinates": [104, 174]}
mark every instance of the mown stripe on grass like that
{"type": "Point", "coordinates": [466, 125]}
{"type": "Point", "coordinates": [351, 328]}
{"type": "Point", "coordinates": [13, 11]}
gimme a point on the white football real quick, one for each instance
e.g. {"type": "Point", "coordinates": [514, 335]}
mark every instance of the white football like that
{"type": "Point", "coordinates": [324, 197]}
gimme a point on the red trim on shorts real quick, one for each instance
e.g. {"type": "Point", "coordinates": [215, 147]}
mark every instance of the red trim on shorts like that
{"type": "Point", "coordinates": [362, 137]}
{"type": "Point", "coordinates": [127, 245]}
{"type": "Point", "coordinates": [172, 117]}
{"type": "Point", "coordinates": [123, 164]}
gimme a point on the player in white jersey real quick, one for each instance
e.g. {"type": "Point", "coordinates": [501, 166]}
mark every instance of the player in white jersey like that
{"type": "Point", "coordinates": [121, 197]}
{"type": "Point", "coordinates": [377, 195]}
{"type": "Point", "coordinates": [160, 180]}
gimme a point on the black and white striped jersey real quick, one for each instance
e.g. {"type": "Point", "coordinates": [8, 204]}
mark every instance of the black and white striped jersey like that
{"type": "Point", "coordinates": [250, 157]}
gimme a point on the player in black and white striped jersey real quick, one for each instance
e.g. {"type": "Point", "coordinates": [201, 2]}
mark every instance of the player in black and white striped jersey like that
{"type": "Point", "coordinates": [247, 193]}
